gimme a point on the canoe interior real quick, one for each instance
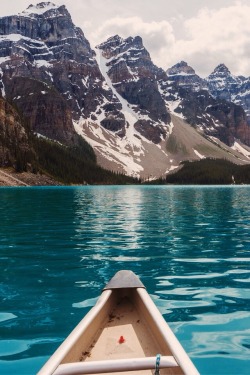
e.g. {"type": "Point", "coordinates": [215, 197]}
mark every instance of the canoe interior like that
{"type": "Point", "coordinates": [124, 315]}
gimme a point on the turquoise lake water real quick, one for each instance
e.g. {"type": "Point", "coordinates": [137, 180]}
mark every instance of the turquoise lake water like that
{"type": "Point", "coordinates": [189, 245]}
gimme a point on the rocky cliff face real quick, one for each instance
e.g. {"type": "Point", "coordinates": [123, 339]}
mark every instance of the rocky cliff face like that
{"type": "Point", "coordinates": [134, 77]}
{"type": "Point", "coordinates": [215, 118]}
{"type": "Point", "coordinates": [213, 105]}
{"type": "Point", "coordinates": [42, 43]}
{"type": "Point", "coordinates": [14, 144]}
{"type": "Point", "coordinates": [223, 85]}
{"type": "Point", "coordinates": [43, 108]}
{"type": "Point", "coordinates": [183, 75]}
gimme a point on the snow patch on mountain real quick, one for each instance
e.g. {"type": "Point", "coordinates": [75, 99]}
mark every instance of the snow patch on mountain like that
{"type": "Point", "coordinates": [132, 137]}
{"type": "Point", "coordinates": [44, 63]}
{"type": "Point", "coordinates": [243, 150]}
{"type": "Point", "coordinates": [12, 37]}
{"type": "Point", "coordinates": [199, 155]}
{"type": "Point", "coordinates": [108, 145]}
{"type": "Point", "coordinates": [40, 8]}
{"type": "Point", "coordinates": [173, 105]}
{"type": "Point", "coordinates": [4, 59]}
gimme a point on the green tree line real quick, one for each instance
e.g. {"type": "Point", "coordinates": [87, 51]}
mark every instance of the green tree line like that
{"type": "Point", "coordinates": [210, 172]}
{"type": "Point", "coordinates": [74, 165]}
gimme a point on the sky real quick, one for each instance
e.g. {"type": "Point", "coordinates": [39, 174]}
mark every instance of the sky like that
{"type": "Point", "coordinates": [204, 33]}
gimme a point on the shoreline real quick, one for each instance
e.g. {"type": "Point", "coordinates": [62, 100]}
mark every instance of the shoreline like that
{"type": "Point", "coordinates": [8, 177]}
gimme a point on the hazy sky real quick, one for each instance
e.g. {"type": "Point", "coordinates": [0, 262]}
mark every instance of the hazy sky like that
{"type": "Point", "coordinates": [204, 33]}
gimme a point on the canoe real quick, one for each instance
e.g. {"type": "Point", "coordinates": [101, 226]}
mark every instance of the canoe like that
{"type": "Point", "coordinates": [123, 332]}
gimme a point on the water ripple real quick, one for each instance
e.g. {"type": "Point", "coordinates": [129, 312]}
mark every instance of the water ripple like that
{"type": "Point", "coordinates": [189, 245]}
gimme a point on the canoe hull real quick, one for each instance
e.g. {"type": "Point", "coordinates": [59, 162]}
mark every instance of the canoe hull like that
{"type": "Point", "coordinates": [124, 325]}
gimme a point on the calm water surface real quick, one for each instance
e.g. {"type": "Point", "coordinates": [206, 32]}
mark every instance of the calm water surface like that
{"type": "Point", "coordinates": [189, 245]}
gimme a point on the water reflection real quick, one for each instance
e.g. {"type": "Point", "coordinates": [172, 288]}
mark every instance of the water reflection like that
{"type": "Point", "coordinates": [108, 227]}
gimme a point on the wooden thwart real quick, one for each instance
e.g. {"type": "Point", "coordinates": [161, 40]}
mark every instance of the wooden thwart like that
{"type": "Point", "coordinates": [118, 365]}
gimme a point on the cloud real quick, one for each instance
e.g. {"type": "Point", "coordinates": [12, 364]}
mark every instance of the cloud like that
{"type": "Point", "coordinates": [208, 38]}
{"type": "Point", "coordinates": [203, 33]}
{"type": "Point", "coordinates": [157, 36]}
{"type": "Point", "coordinates": [217, 36]}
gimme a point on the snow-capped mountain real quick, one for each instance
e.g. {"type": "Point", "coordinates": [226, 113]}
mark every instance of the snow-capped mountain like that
{"type": "Point", "coordinates": [224, 85]}
{"type": "Point", "coordinates": [213, 105]}
{"type": "Point", "coordinates": [221, 84]}
{"type": "Point", "coordinates": [42, 43]}
{"type": "Point", "coordinates": [131, 72]}
{"type": "Point", "coordinates": [139, 119]}
{"type": "Point", "coordinates": [181, 74]}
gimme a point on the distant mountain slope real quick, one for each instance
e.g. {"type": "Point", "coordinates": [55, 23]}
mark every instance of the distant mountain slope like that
{"type": "Point", "coordinates": [223, 85]}
{"type": "Point", "coordinates": [217, 106]}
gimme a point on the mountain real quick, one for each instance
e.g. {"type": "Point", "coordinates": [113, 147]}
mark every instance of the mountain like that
{"type": "Point", "coordinates": [134, 77]}
{"type": "Point", "coordinates": [210, 105]}
{"type": "Point", "coordinates": [223, 85]}
{"type": "Point", "coordinates": [183, 75]}
{"type": "Point", "coordinates": [140, 148]}
{"type": "Point", "coordinates": [139, 119]}
{"type": "Point", "coordinates": [42, 44]}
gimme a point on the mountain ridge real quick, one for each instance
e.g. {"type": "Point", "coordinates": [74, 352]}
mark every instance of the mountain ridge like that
{"type": "Point", "coordinates": [114, 96]}
{"type": "Point", "coordinates": [221, 84]}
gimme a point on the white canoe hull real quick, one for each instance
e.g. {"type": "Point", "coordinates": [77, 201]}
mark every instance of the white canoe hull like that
{"type": "Point", "coordinates": [123, 332]}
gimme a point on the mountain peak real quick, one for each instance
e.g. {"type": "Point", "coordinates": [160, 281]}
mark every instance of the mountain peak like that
{"type": "Point", "coordinates": [130, 47]}
{"type": "Point", "coordinates": [42, 5]}
{"type": "Point", "coordinates": [134, 40]}
{"type": "Point", "coordinates": [117, 40]}
{"type": "Point", "coordinates": [112, 42]}
{"type": "Point", "coordinates": [222, 69]}
{"type": "Point", "coordinates": [40, 8]}
{"type": "Point", "coordinates": [181, 68]}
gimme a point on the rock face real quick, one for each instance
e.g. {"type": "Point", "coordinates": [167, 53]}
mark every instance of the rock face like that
{"type": "Point", "coordinates": [182, 75]}
{"type": "Point", "coordinates": [223, 85]}
{"type": "Point", "coordinates": [46, 110]}
{"type": "Point", "coordinates": [233, 118]}
{"type": "Point", "coordinates": [14, 144]}
{"type": "Point", "coordinates": [135, 78]}
{"type": "Point", "coordinates": [214, 105]}
{"type": "Point", "coordinates": [217, 118]}
{"type": "Point", "coordinates": [42, 43]}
